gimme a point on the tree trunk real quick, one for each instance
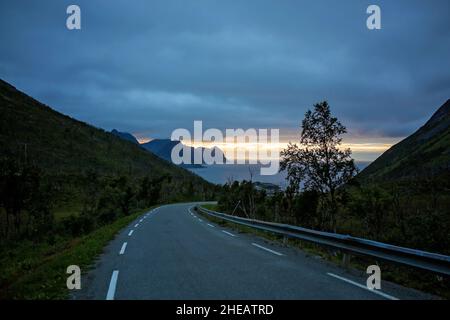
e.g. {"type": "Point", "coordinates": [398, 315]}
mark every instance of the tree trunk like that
{"type": "Point", "coordinates": [333, 211]}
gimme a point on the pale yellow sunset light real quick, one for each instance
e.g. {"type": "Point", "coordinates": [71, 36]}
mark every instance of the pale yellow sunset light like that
{"type": "Point", "coordinates": [272, 150]}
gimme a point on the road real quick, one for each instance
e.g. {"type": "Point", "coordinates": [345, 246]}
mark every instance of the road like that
{"type": "Point", "coordinates": [173, 253]}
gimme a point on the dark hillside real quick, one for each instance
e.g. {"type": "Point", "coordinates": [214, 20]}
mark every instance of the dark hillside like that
{"type": "Point", "coordinates": [32, 131]}
{"type": "Point", "coordinates": [424, 154]}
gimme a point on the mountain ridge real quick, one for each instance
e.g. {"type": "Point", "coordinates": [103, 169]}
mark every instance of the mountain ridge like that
{"type": "Point", "coordinates": [425, 153]}
{"type": "Point", "coordinates": [34, 132]}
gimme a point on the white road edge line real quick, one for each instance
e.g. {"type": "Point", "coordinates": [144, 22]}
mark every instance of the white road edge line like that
{"type": "Point", "coordinates": [112, 285]}
{"type": "Point", "coordinates": [228, 233]}
{"type": "Point", "coordinates": [362, 287]}
{"type": "Point", "coordinates": [267, 249]}
{"type": "Point", "coordinates": [124, 246]}
{"type": "Point", "coordinates": [130, 233]}
{"type": "Point", "coordinates": [194, 215]}
{"type": "Point", "coordinates": [211, 225]}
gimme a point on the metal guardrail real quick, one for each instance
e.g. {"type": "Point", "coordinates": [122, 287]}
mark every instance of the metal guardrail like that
{"type": "Point", "coordinates": [416, 258]}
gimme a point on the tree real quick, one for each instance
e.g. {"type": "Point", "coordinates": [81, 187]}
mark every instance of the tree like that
{"type": "Point", "coordinates": [24, 198]}
{"type": "Point", "coordinates": [150, 189]}
{"type": "Point", "coordinates": [319, 164]}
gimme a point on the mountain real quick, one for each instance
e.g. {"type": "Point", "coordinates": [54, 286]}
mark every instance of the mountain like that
{"type": "Point", "coordinates": [125, 136]}
{"type": "Point", "coordinates": [163, 148]}
{"type": "Point", "coordinates": [33, 132]}
{"type": "Point", "coordinates": [423, 154]}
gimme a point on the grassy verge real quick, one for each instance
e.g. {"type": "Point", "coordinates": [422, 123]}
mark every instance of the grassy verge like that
{"type": "Point", "coordinates": [212, 207]}
{"type": "Point", "coordinates": [403, 275]}
{"type": "Point", "coordinates": [39, 271]}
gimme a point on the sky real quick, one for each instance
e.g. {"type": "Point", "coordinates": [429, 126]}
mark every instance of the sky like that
{"type": "Point", "coordinates": [149, 67]}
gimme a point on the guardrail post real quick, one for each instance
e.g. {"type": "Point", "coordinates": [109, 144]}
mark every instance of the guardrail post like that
{"type": "Point", "coordinates": [346, 260]}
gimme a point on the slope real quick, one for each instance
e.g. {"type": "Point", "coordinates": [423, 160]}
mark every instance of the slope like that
{"type": "Point", "coordinates": [426, 153]}
{"type": "Point", "coordinates": [33, 132]}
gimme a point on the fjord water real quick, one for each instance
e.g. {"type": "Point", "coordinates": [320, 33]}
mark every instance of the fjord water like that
{"type": "Point", "coordinates": [221, 174]}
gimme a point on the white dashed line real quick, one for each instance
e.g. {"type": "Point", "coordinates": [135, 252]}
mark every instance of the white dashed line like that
{"type": "Point", "coordinates": [228, 233]}
{"type": "Point", "coordinates": [211, 225]}
{"type": "Point", "coordinates": [200, 220]}
{"type": "Point", "coordinates": [362, 287]}
{"type": "Point", "coordinates": [268, 250]}
{"type": "Point", "coordinates": [130, 233]}
{"type": "Point", "coordinates": [112, 285]}
{"type": "Point", "coordinates": [141, 220]}
{"type": "Point", "coordinates": [122, 250]}
{"type": "Point", "coordinates": [136, 225]}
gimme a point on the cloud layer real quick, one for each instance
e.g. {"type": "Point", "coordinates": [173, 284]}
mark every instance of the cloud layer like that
{"type": "Point", "coordinates": [150, 67]}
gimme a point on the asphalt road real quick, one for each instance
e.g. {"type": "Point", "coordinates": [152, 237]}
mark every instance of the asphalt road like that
{"type": "Point", "coordinates": [171, 253]}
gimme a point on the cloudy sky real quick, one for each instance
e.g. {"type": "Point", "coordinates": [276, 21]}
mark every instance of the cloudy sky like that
{"type": "Point", "coordinates": [149, 67]}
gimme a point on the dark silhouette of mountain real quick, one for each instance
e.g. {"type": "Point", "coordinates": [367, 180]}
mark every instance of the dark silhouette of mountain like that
{"type": "Point", "coordinates": [423, 154]}
{"type": "Point", "coordinates": [125, 136]}
{"type": "Point", "coordinates": [163, 148]}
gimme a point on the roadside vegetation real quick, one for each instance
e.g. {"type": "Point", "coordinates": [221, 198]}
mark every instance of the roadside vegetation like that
{"type": "Point", "coordinates": [38, 271]}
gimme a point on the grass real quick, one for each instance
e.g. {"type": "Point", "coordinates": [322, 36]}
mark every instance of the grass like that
{"type": "Point", "coordinates": [208, 206]}
{"type": "Point", "coordinates": [403, 275]}
{"type": "Point", "coordinates": [39, 271]}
